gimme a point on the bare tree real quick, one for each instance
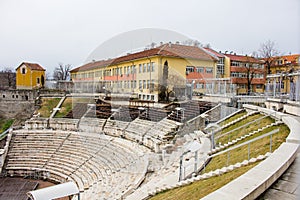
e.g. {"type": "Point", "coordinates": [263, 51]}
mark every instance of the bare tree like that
{"type": "Point", "coordinates": [268, 51]}
{"type": "Point", "coordinates": [251, 70]}
{"type": "Point", "coordinates": [62, 72]}
{"type": "Point", "coordinates": [9, 77]}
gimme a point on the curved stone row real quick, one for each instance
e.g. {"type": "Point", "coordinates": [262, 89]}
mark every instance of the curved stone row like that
{"type": "Point", "coordinates": [90, 160]}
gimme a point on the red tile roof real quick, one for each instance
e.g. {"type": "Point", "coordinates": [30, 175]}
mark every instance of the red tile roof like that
{"type": "Point", "coordinates": [220, 55]}
{"type": "Point", "coordinates": [92, 65]}
{"type": "Point", "coordinates": [290, 58]}
{"type": "Point", "coordinates": [242, 58]}
{"type": "Point", "coordinates": [32, 66]}
{"type": "Point", "coordinates": [167, 50]}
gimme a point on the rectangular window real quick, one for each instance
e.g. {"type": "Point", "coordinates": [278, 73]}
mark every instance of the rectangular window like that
{"type": "Point", "coordinates": [140, 68]}
{"type": "Point", "coordinates": [148, 84]}
{"type": "Point", "coordinates": [259, 86]}
{"type": "Point", "coordinates": [38, 80]}
{"type": "Point", "coordinates": [128, 70]}
{"type": "Point", "coordinates": [220, 69]}
{"type": "Point", "coordinates": [235, 63]}
{"type": "Point", "coordinates": [144, 84]}
{"type": "Point", "coordinates": [152, 66]}
{"type": "Point", "coordinates": [209, 70]}
{"type": "Point", "coordinates": [189, 69]}
{"type": "Point", "coordinates": [221, 61]}
{"type": "Point", "coordinates": [199, 85]}
{"type": "Point", "coordinates": [144, 67]}
{"type": "Point", "coordinates": [148, 67]}
{"type": "Point", "coordinates": [200, 69]}
{"type": "Point", "coordinates": [140, 84]}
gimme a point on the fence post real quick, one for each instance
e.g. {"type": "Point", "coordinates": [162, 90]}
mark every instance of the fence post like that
{"type": "Point", "coordinates": [270, 143]}
{"type": "Point", "coordinates": [249, 151]}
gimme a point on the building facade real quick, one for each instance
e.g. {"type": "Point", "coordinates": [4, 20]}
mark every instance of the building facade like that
{"type": "Point", "coordinates": [283, 79]}
{"type": "Point", "coordinates": [152, 74]}
{"type": "Point", "coordinates": [247, 74]}
{"type": "Point", "coordinates": [237, 74]}
{"type": "Point", "coordinates": [30, 76]}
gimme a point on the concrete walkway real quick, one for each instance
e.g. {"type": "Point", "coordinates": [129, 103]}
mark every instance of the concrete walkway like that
{"type": "Point", "coordinates": [287, 186]}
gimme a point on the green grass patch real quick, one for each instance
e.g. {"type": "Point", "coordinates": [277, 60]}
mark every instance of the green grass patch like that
{"type": "Point", "coordinates": [68, 103]}
{"type": "Point", "coordinates": [236, 116]}
{"type": "Point", "coordinates": [244, 130]}
{"type": "Point", "coordinates": [257, 148]}
{"type": "Point", "coordinates": [47, 106]}
{"type": "Point", "coordinates": [65, 108]}
{"type": "Point", "coordinates": [200, 189]}
{"type": "Point", "coordinates": [5, 124]}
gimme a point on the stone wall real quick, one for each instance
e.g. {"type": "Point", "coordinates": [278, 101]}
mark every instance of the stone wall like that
{"type": "Point", "coordinates": [18, 104]}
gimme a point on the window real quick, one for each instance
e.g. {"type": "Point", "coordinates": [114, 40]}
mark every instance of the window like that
{"type": "Point", "coordinates": [220, 69]}
{"type": "Point", "coordinates": [140, 84]}
{"type": "Point", "coordinates": [144, 84]}
{"type": "Point", "coordinates": [200, 69]}
{"type": "Point", "coordinates": [140, 68]}
{"type": "Point", "coordinates": [152, 97]}
{"type": "Point", "coordinates": [144, 67]}
{"type": "Point", "coordinates": [199, 85]}
{"type": "Point", "coordinates": [279, 62]}
{"type": "Point", "coordinates": [128, 70]}
{"type": "Point", "coordinates": [38, 80]}
{"type": "Point", "coordinates": [259, 86]}
{"type": "Point", "coordinates": [23, 70]}
{"type": "Point", "coordinates": [209, 70]}
{"type": "Point", "coordinates": [152, 66]}
{"type": "Point", "coordinates": [148, 84]}
{"type": "Point", "coordinates": [235, 63]}
{"type": "Point", "coordinates": [148, 67]}
{"type": "Point", "coordinates": [243, 86]}
{"type": "Point", "coordinates": [221, 61]}
{"type": "Point", "coordinates": [189, 69]}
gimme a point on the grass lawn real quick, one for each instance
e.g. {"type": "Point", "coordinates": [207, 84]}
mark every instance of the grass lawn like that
{"type": "Point", "coordinates": [65, 108]}
{"type": "Point", "coordinates": [236, 116]}
{"type": "Point", "coordinates": [244, 130]}
{"type": "Point", "coordinates": [47, 106]}
{"type": "Point", "coordinates": [202, 188]}
{"type": "Point", "coordinates": [5, 124]}
{"type": "Point", "coordinates": [67, 105]}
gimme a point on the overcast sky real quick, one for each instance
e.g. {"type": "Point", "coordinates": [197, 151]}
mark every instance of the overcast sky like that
{"type": "Point", "coordinates": [68, 31]}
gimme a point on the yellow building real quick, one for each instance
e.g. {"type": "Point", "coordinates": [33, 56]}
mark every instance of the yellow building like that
{"type": "Point", "coordinates": [284, 76]}
{"type": "Point", "coordinates": [167, 68]}
{"type": "Point", "coordinates": [30, 76]}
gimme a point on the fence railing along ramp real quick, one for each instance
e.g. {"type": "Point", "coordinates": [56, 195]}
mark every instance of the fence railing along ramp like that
{"type": "Point", "coordinates": [258, 179]}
